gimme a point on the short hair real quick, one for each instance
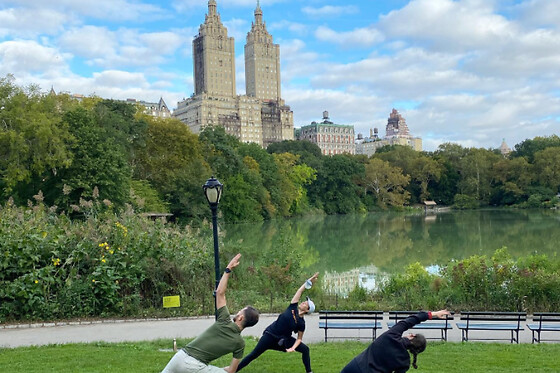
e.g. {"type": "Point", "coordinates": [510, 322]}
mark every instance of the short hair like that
{"type": "Point", "coordinates": [251, 317]}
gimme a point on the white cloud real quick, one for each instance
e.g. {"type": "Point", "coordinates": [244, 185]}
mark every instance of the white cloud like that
{"type": "Point", "coordinates": [124, 47]}
{"type": "Point", "coordinates": [447, 24]}
{"type": "Point", "coordinates": [330, 10]}
{"type": "Point", "coordinates": [295, 27]}
{"type": "Point", "coordinates": [539, 13]}
{"type": "Point", "coordinates": [116, 10]}
{"type": "Point", "coordinates": [28, 23]}
{"type": "Point", "coordinates": [90, 42]}
{"type": "Point", "coordinates": [362, 37]}
{"type": "Point", "coordinates": [28, 57]}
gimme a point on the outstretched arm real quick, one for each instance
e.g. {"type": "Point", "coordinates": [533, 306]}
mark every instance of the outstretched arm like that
{"type": "Point", "coordinates": [440, 314]}
{"type": "Point", "coordinates": [299, 292]}
{"type": "Point", "coordinates": [222, 286]}
{"type": "Point", "coordinates": [410, 321]}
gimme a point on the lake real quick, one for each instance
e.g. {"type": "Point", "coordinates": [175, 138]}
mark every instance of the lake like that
{"type": "Point", "coordinates": [358, 249]}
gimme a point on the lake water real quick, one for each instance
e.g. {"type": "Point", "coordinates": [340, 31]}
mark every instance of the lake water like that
{"type": "Point", "coordinates": [358, 249]}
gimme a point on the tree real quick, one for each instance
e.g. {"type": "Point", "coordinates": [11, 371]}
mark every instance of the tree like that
{"type": "Point", "coordinates": [336, 188]}
{"type": "Point", "coordinates": [424, 171]}
{"type": "Point", "coordinates": [547, 166]}
{"type": "Point", "coordinates": [100, 162]}
{"type": "Point", "coordinates": [34, 142]}
{"type": "Point", "coordinates": [512, 177]}
{"type": "Point", "coordinates": [293, 178]}
{"type": "Point", "coordinates": [476, 174]}
{"type": "Point", "coordinates": [171, 160]}
{"type": "Point", "coordinates": [530, 147]}
{"type": "Point", "coordinates": [387, 183]}
{"type": "Point", "coordinates": [309, 153]}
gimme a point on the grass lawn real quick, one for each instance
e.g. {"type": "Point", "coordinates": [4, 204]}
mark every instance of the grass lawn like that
{"type": "Point", "coordinates": [325, 358]}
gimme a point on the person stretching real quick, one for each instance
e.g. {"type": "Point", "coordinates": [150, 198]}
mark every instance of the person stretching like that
{"type": "Point", "coordinates": [221, 338]}
{"type": "Point", "coordinates": [389, 352]}
{"type": "Point", "coordinates": [278, 335]}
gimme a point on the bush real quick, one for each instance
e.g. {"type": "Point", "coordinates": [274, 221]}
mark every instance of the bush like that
{"type": "Point", "coordinates": [464, 202]}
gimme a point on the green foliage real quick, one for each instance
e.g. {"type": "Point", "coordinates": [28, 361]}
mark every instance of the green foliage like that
{"type": "Point", "coordinates": [336, 189]}
{"type": "Point", "coordinates": [34, 142]}
{"type": "Point", "coordinates": [478, 283]}
{"type": "Point", "coordinates": [530, 147]}
{"type": "Point", "coordinates": [463, 202]}
{"type": "Point", "coordinates": [386, 183]}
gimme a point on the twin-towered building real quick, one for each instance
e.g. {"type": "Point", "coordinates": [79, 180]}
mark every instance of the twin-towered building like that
{"type": "Point", "coordinates": [261, 115]}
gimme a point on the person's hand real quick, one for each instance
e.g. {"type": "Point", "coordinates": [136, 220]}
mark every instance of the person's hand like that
{"type": "Point", "coordinates": [226, 369]}
{"type": "Point", "coordinates": [234, 262]}
{"type": "Point", "coordinates": [440, 314]}
{"type": "Point", "coordinates": [291, 349]}
{"type": "Point", "coordinates": [314, 277]}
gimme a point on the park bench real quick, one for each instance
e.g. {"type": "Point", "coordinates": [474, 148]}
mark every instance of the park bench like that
{"type": "Point", "coordinates": [442, 324]}
{"type": "Point", "coordinates": [492, 321]}
{"type": "Point", "coordinates": [544, 322]}
{"type": "Point", "coordinates": [350, 320]}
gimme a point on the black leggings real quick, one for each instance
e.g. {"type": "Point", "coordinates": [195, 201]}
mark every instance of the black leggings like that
{"type": "Point", "coordinates": [268, 342]}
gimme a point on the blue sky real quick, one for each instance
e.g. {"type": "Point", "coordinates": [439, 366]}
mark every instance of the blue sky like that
{"type": "Point", "coordinates": [464, 71]}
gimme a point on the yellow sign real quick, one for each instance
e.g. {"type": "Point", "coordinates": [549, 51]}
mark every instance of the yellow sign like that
{"type": "Point", "coordinates": [172, 301]}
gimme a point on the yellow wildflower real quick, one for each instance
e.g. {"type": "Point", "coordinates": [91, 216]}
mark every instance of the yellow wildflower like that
{"type": "Point", "coordinates": [36, 281]}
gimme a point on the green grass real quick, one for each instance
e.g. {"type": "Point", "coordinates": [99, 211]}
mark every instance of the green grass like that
{"type": "Point", "coordinates": [325, 358]}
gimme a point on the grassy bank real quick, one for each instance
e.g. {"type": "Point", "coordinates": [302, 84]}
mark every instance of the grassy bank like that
{"type": "Point", "coordinates": [325, 358]}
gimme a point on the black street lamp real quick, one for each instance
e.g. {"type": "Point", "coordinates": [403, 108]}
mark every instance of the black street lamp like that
{"type": "Point", "coordinates": [213, 192]}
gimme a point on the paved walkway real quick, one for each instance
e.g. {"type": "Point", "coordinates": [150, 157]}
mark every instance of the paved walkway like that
{"type": "Point", "coordinates": [144, 330]}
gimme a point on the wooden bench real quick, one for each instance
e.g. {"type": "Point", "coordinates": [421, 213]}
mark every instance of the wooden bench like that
{"type": "Point", "coordinates": [544, 322]}
{"type": "Point", "coordinates": [492, 321]}
{"type": "Point", "coordinates": [350, 320]}
{"type": "Point", "coordinates": [442, 324]}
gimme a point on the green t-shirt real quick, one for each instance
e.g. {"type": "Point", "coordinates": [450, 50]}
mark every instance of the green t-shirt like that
{"type": "Point", "coordinates": [218, 340]}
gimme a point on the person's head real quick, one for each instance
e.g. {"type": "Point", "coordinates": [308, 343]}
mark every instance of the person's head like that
{"type": "Point", "coordinates": [248, 317]}
{"type": "Point", "coordinates": [307, 307]}
{"type": "Point", "coordinates": [416, 345]}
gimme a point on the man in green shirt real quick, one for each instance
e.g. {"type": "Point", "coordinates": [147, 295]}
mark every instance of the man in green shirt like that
{"type": "Point", "coordinates": [223, 337]}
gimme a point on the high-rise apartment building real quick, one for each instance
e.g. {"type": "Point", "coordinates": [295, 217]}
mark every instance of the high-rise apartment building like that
{"type": "Point", "coordinates": [396, 133]}
{"type": "Point", "coordinates": [260, 116]}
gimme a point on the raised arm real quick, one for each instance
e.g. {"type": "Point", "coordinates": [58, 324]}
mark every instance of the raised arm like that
{"type": "Point", "coordinates": [299, 291]}
{"type": "Point", "coordinates": [410, 321]}
{"type": "Point", "coordinates": [222, 286]}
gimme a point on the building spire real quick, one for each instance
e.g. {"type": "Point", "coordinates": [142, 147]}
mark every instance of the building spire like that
{"type": "Point", "coordinates": [212, 7]}
{"type": "Point", "coordinates": [258, 14]}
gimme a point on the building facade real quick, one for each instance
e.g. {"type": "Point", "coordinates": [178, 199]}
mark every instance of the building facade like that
{"type": "Point", "coordinates": [396, 133]}
{"type": "Point", "coordinates": [331, 138]}
{"type": "Point", "coordinates": [260, 116]}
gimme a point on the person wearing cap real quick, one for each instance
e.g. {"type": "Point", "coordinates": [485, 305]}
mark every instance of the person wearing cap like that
{"type": "Point", "coordinates": [278, 335]}
{"type": "Point", "coordinates": [390, 352]}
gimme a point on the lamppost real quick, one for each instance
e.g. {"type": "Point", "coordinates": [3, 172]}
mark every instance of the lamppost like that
{"type": "Point", "coordinates": [213, 192]}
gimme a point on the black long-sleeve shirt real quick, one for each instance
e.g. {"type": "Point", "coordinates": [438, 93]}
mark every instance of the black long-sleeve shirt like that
{"type": "Point", "coordinates": [388, 353]}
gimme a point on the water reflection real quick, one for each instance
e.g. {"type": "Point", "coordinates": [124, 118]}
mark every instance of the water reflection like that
{"type": "Point", "coordinates": [344, 282]}
{"type": "Point", "coordinates": [379, 243]}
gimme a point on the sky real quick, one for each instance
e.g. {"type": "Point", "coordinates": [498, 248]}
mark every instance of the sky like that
{"type": "Point", "coordinates": [472, 72]}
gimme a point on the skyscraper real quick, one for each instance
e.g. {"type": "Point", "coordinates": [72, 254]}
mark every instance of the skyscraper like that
{"type": "Point", "coordinates": [260, 116]}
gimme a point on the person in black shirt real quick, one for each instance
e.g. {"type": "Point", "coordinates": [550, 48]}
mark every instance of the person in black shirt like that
{"type": "Point", "coordinates": [278, 335]}
{"type": "Point", "coordinates": [390, 352]}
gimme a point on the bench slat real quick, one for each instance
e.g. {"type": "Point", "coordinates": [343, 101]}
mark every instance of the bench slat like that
{"type": "Point", "coordinates": [336, 325]}
{"type": "Point", "coordinates": [490, 326]}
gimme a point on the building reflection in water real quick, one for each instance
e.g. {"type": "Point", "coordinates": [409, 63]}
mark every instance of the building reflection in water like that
{"type": "Point", "coordinates": [368, 277]}
{"type": "Point", "coordinates": [343, 283]}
